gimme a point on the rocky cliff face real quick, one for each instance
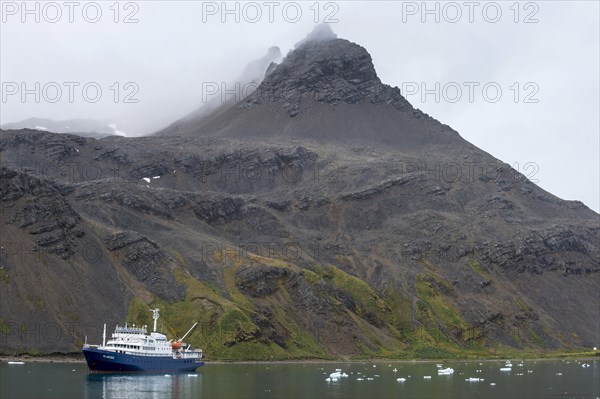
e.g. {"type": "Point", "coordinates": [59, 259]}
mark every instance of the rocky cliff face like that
{"type": "Point", "coordinates": [289, 233]}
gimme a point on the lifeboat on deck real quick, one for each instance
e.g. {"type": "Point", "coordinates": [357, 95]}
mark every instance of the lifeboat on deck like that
{"type": "Point", "coordinates": [176, 345]}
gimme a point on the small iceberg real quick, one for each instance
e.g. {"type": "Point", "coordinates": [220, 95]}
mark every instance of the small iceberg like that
{"type": "Point", "coordinates": [446, 371]}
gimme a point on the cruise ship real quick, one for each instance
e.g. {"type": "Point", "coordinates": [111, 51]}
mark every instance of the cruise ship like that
{"type": "Point", "coordinates": [132, 349]}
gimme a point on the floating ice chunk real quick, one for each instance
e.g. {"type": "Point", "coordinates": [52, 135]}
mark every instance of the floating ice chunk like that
{"type": "Point", "coordinates": [446, 371]}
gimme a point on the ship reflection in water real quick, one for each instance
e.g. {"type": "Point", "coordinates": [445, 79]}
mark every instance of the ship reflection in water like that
{"type": "Point", "coordinates": [133, 385]}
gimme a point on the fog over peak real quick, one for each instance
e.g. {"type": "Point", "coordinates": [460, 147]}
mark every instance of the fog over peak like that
{"type": "Point", "coordinates": [247, 82]}
{"type": "Point", "coordinates": [255, 70]}
{"type": "Point", "coordinates": [320, 33]}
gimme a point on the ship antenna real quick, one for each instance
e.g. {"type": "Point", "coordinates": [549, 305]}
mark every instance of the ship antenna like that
{"type": "Point", "coordinates": [155, 317]}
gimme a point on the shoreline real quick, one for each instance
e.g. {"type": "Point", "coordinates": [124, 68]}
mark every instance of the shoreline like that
{"type": "Point", "coordinates": [79, 358]}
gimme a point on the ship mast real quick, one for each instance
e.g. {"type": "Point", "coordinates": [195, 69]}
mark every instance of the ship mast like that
{"type": "Point", "coordinates": [155, 317]}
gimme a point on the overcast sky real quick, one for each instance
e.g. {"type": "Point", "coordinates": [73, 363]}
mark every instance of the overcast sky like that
{"type": "Point", "coordinates": [543, 56]}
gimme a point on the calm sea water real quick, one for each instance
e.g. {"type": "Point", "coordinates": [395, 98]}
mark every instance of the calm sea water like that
{"type": "Point", "coordinates": [534, 379]}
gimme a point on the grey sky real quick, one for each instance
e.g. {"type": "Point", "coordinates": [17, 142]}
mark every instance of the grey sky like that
{"type": "Point", "coordinates": [174, 48]}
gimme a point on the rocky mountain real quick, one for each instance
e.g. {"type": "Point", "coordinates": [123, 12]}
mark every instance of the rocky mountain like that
{"type": "Point", "coordinates": [322, 215]}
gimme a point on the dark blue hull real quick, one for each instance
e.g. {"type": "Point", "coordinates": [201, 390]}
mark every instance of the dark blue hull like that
{"type": "Point", "coordinates": [101, 360]}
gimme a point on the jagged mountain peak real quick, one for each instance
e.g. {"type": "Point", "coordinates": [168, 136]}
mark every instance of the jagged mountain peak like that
{"type": "Point", "coordinates": [325, 90]}
{"type": "Point", "coordinates": [326, 69]}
